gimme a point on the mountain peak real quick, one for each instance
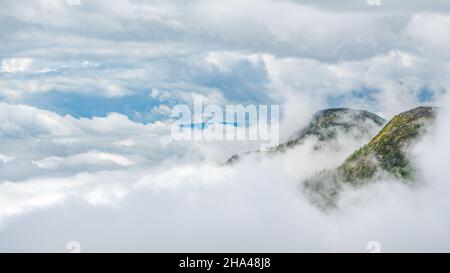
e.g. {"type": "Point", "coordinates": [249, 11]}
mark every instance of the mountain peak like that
{"type": "Point", "coordinates": [386, 152]}
{"type": "Point", "coordinates": [388, 147]}
{"type": "Point", "coordinates": [326, 124]}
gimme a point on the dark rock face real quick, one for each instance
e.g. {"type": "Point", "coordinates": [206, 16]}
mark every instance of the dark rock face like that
{"type": "Point", "coordinates": [236, 157]}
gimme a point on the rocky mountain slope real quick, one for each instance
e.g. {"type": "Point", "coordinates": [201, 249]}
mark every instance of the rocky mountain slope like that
{"type": "Point", "coordinates": [385, 154]}
{"type": "Point", "coordinates": [327, 125]}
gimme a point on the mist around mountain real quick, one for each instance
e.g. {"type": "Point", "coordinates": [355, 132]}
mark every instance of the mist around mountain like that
{"type": "Point", "coordinates": [327, 124]}
{"type": "Point", "coordinates": [326, 127]}
{"type": "Point", "coordinates": [385, 155]}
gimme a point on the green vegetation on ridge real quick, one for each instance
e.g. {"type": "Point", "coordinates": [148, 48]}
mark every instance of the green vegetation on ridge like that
{"type": "Point", "coordinates": [387, 149]}
{"type": "Point", "coordinates": [387, 152]}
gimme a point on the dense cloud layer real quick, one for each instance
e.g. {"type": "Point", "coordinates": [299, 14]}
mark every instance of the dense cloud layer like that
{"type": "Point", "coordinates": [125, 203]}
